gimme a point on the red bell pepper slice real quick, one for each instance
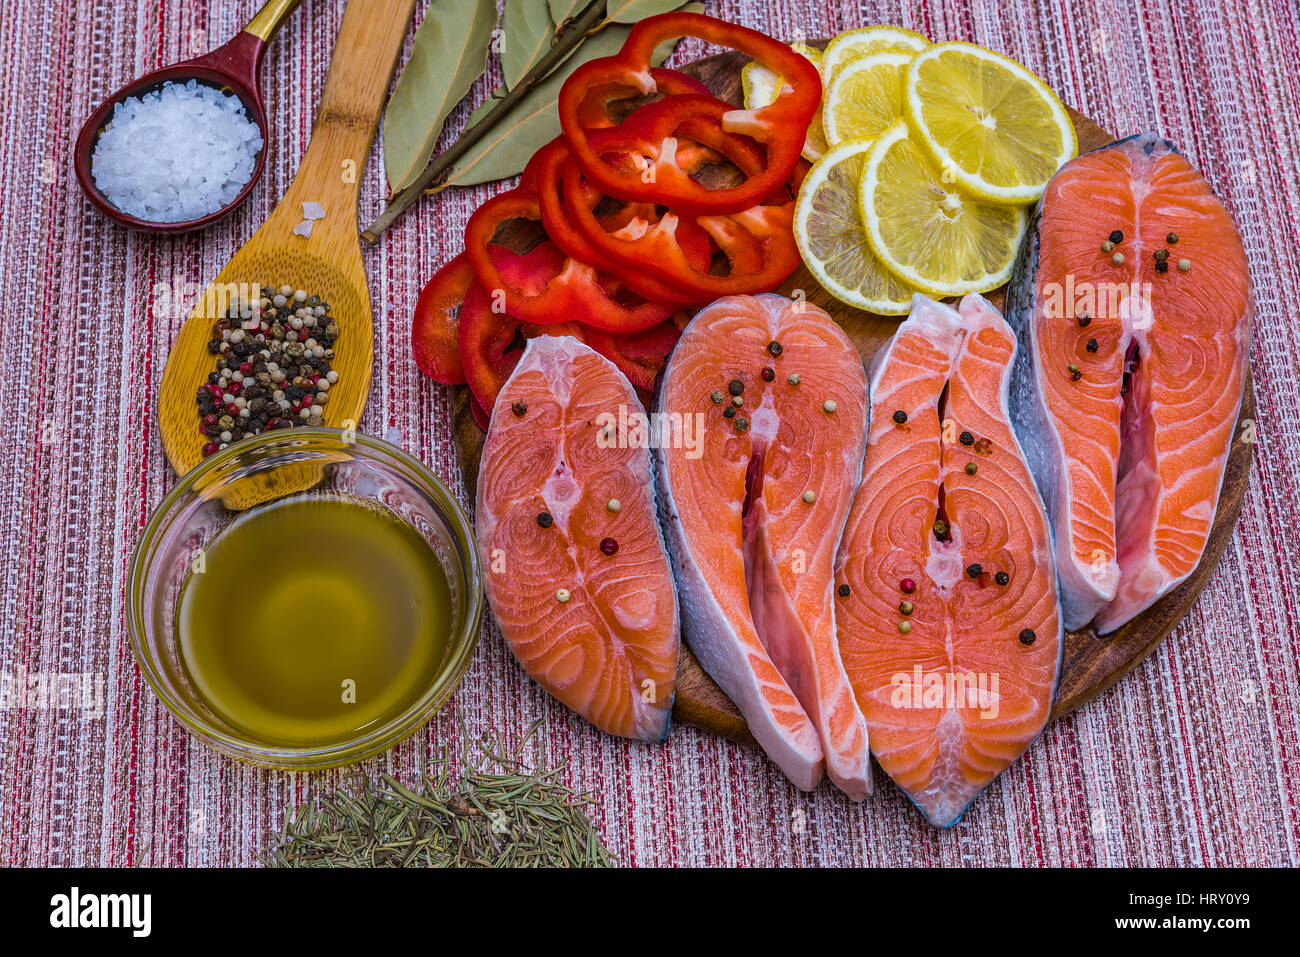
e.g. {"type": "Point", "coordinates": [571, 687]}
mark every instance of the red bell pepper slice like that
{"type": "Point", "coordinates": [778, 126]}
{"type": "Point", "coordinates": [658, 248]}
{"type": "Point", "coordinates": [482, 417]}
{"type": "Point", "coordinates": [639, 355]}
{"type": "Point", "coordinates": [571, 292]}
{"type": "Point", "coordinates": [759, 242]}
{"type": "Point", "coordinates": [594, 111]}
{"type": "Point", "coordinates": [433, 328]}
{"type": "Point", "coordinates": [488, 337]}
{"type": "Point", "coordinates": [558, 221]}
{"type": "Point", "coordinates": [761, 249]}
{"type": "Point", "coordinates": [759, 260]}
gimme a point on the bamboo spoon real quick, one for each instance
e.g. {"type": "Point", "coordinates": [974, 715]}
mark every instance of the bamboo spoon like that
{"type": "Point", "coordinates": [327, 264]}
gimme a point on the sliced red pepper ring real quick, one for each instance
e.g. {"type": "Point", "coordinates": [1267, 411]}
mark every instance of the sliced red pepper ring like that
{"type": "Point", "coordinates": [433, 328]}
{"type": "Point", "coordinates": [659, 247]}
{"type": "Point", "coordinates": [569, 292]}
{"type": "Point", "coordinates": [773, 228]}
{"type": "Point", "coordinates": [615, 220]}
{"type": "Point", "coordinates": [778, 126]}
{"type": "Point", "coordinates": [595, 114]}
{"type": "Point", "coordinates": [762, 252]}
{"type": "Point", "coordinates": [557, 219]}
{"type": "Point", "coordinates": [692, 118]}
{"type": "Point", "coordinates": [639, 355]}
{"type": "Point", "coordinates": [490, 339]}
{"type": "Point", "coordinates": [648, 143]}
{"type": "Point", "coordinates": [594, 111]}
{"type": "Point", "coordinates": [482, 417]}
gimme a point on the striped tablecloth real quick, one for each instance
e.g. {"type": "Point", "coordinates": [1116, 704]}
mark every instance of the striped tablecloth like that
{"type": "Point", "coordinates": [1192, 759]}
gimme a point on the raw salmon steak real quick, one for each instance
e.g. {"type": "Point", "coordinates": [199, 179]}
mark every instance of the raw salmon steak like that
{"type": "Point", "coordinates": [1131, 373]}
{"type": "Point", "coordinates": [753, 516]}
{"type": "Point", "coordinates": [576, 571]}
{"type": "Point", "coordinates": [951, 629]}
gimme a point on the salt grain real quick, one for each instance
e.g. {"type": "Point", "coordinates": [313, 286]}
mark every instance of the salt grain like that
{"type": "Point", "coordinates": [176, 154]}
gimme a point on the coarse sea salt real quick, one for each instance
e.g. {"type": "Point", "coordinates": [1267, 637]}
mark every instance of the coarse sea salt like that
{"type": "Point", "coordinates": [179, 153]}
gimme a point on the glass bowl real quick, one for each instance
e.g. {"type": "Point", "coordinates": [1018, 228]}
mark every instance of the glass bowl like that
{"type": "Point", "coordinates": [262, 469]}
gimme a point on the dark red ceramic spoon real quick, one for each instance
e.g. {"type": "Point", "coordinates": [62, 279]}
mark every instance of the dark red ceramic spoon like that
{"type": "Point", "coordinates": [232, 68]}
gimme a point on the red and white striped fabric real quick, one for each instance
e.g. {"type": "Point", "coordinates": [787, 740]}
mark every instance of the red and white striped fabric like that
{"type": "Point", "coordinates": [1192, 759]}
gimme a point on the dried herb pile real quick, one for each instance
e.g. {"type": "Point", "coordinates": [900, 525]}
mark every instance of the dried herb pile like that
{"type": "Point", "coordinates": [489, 811]}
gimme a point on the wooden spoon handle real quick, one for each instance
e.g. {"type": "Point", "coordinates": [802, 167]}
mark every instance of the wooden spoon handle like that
{"type": "Point", "coordinates": [365, 53]}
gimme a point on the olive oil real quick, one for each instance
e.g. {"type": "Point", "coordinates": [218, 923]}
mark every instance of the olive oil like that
{"type": "Point", "coordinates": [311, 619]}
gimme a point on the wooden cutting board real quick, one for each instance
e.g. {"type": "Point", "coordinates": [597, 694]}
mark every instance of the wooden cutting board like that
{"type": "Point", "coordinates": [1091, 663]}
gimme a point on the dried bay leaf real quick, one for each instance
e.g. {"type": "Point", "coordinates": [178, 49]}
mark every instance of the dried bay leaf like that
{"type": "Point", "coordinates": [630, 11]}
{"type": "Point", "coordinates": [448, 54]}
{"type": "Point", "coordinates": [534, 120]}
{"type": "Point", "coordinates": [562, 10]}
{"type": "Point", "coordinates": [527, 33]}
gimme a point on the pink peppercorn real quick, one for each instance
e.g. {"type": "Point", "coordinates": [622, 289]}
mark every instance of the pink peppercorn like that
{"type": "Point", "coordinates": [907, 586]}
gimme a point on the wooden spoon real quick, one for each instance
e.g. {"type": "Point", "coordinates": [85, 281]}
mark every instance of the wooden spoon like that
{"type": "Point", "coordinates": [328, 264]}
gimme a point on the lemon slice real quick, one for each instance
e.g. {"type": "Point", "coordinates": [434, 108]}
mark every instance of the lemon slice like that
{"type": "Point", "coordinates": [996, 126]}
{"type": "Point", "coordinates": [855, 43]}
{"type": "Point", "coordinates": [758, 84]}
{"type": "Point", "coordinates": [761, 86]}
{"type": "Point", "coordinates": [927, 232]}
{"type": "Point", "coordinates": [828, 229]}
{"type": "Point", "coordinates": [865, 97]}
{"type": "Point", "coordinates": [812, 53]}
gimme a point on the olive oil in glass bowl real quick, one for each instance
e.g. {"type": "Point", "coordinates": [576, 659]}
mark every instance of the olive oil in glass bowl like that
{"type": "Point", "coordinates": [305, 598]}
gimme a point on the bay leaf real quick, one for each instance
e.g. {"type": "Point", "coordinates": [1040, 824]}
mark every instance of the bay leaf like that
{"type": "Point", "coordinates": [448, 54]}
{"type": "Point", "coordinates": [562, 10]}
{"type": "Point", "coordinates": [534, 121]}
{"type": "Point", "coordinates": [527, 33]}
{"type": "Point", "coordinates": [630, 11]}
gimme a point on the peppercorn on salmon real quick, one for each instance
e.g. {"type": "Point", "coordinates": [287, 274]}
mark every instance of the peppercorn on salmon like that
{"type": "Point", "coordinates": [575, 568]}
{"type": "Point", "coordinates": [950, 630]}
{"type": "Point", "coordinates": [1133, 305]}
{"type": "Point", "coordinates": [754, 518]}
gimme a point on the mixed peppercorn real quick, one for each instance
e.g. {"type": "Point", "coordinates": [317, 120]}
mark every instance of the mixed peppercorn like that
{"type": "Point", "coordinates": [273, 367]}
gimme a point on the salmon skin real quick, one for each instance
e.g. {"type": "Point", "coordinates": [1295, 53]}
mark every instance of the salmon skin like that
{"type": "Point", "coordinates": [555, 460]}
{"type": "Point", "coordinates": [951, 632]}
{"type": "Point", "coordinates": [1130, 453]}
{"type": "Point", "coordinates": [753, 521]}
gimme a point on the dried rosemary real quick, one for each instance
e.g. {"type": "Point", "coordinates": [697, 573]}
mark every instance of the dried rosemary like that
{"type": "Point", "coordinates": [465, 815]}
